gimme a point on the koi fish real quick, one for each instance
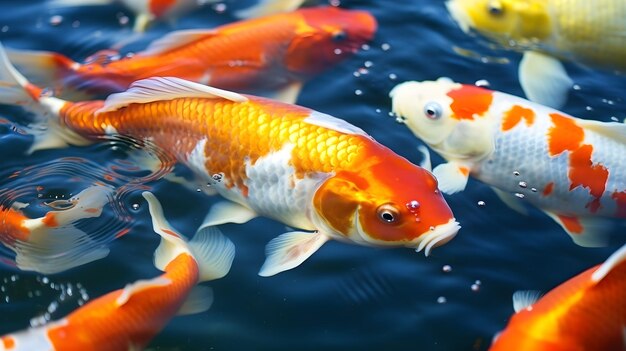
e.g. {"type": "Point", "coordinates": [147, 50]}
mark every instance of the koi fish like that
{"type": "Point", "coordinates": [591, 33]}
{"type": "Point", "coordinates": [273, 54]}
{"type": "Point", "coordinates": [586, 313]}
{"type": "Point", "coordinates": [301, 167]}
{"type": "Point", "coordinates": [129, 318]}
{"type": "Point", "coordinates": [568, 167]}
{"type": "Point", "coordinates": [147, 11]}
{"type": "Point", "coordinates": [52, 244]}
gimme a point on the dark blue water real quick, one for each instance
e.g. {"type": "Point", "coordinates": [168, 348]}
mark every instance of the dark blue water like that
{"type": "Point", "coordinates": [344, 297]}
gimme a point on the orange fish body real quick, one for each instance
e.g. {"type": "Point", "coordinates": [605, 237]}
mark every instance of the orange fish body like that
{"type": "Point", "coordinates": [270, 54]}
{"type": "Point", "coordinates": [52, 244]}
{"type": "Point", "coordinates": [586, 313]}
{"type": "Point", "coordinates": [303, 168]}
{"type": "Point", "coordinates": [129, 318]}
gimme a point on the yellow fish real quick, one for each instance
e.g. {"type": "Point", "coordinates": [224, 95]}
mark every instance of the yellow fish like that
{"type": "Point", "coordinates": [588, 32]}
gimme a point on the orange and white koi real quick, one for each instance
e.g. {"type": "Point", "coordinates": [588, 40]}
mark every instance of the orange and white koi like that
{"type": "Point", "coordinates": [568, 167]}
{"type": "Point", "coordinates": [272, 55]}
{"type": "Point", "coordinates": [304, 168]}
{"type": "Point", "coordinates": [129, 318]}
{"type": "Point", "coordinates": [147, 11]}
{"type": "Point", "coordinates": [52, 244]}
{"type": "Point", "coordinates": [586, 313]}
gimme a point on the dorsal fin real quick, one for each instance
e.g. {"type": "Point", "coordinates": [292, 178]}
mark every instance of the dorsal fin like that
{"type": "Point", "coordinates": [613, 130]}
{"type": "Point", "coordinates": [175, 40]}
{"type": "Point", "coordinates": [165, 88]}
{"type": "Point", "coordinates": [523, 299]}
{"type": "Point", "coordinates": [617, 258]}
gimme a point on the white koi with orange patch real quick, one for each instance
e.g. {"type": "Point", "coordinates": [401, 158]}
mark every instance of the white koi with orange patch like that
{"type": "Point", "coordinates": [566, 166]}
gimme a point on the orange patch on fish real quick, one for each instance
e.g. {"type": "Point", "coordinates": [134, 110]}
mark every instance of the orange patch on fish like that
{"type": "Point", "coordinates": [469, 101]}
{"type": "Point", "coordinates": [620, 200]}
{"type": "Point", "coordinates": [12, 224]}
{"type": "Point", "coordinates": [92, 210]}
{"type": "Point", "coordinates": [572, 224]}
{"type": "Point", "coordinates": [50, 220]}
{"type": "Point", "coordinates": [548, 189]}
{"type": "Point", "coordinates": [159, 7]}
{"type": "Point", "coordinates": [464, 171]}
{"type": "Point", "coordinates": [565, 135]}
{"type": "Point", "coordinates": [8, 342]}
{"type": "Point", "coordinates": [582, 172]}
{"type": "Point", "coordinates": [515, 115]}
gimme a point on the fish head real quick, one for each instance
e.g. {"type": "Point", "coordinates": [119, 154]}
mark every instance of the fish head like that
{"type": "Point", "coordinates": [325, 36]}
{"type": "Point", "coordinates": [389, 202]}
{"type": "Point", "coordinates": [452, 118]}
{"type": "Point", "coordinates": [518, 20]}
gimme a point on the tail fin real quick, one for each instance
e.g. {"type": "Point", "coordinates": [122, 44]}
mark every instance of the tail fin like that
{"type": "Point", "coordinates": [14, 87]}
{"type": "Point", "coordinates": [269, 7]}
{"type": "Point", "coordinates": [43, 67]}
{"type": "Point", "coordinates": [55, 244]}
{"type": "Point", "coordinates": [210, 248]}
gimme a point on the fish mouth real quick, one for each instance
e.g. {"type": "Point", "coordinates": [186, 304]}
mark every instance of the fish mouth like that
{"type": "Point", "coordinates": [437, 236]}
{"type": "Point", "coordinates": [460, 17]}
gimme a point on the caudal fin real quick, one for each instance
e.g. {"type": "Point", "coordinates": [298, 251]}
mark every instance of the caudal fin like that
{"type": "Point", "coordinates": [213, 252]}
{"type": "Point", "coordinates": [55, 244]}
{"type": "Point", "coordinates": [42, 67]}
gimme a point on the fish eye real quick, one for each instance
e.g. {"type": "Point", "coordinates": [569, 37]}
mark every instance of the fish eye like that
{"type": "Point", "coordinates": [339, 35]}
{"type": "Point", "coordinates": [433, 110]}
{"type": "Point", "coordinates": [388, 213]}
{"type": "Point", "coordinates": [495, 8]}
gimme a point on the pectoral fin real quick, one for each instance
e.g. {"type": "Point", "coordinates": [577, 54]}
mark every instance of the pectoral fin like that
{"type": "Point", "coordinates": [289, 250]}
{"type": "Point", "coordinates": [426, 164]}
{"type": "Point", "coordinates": [452, 177]}
{"type": "Point", "coordinates": [199, 300]}
{"type": "Point", "coordinates": [227, 212]}
{"type": "Point", "coordinates": [544, 79]}
{"type": "Point", "coordinates": [288, 94]}
{"type": "Point", "coordinates": [584, 231]}
{"type": "Point", "coordinates": [525, 298]}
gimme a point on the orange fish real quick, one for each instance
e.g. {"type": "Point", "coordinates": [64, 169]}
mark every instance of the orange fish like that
{"type": "Point", "coordinates": [270, 55]}
{"type": "Point", "coordinates": [52, 244]}
{"type": "Point", "coordinates": [301, 167]}
{"type": "Point", "coordinates": [586, 313]}
{"type": "Point", "coordinates": [129, 318]}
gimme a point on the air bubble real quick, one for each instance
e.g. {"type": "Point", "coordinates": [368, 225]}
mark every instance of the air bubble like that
{"type": "Point", "coordinates": [520, 195]}
{"type": "Point", "coordinates": [522, 185]}
{"type": "Point", "coordinates": [481, 203]}
{"type": "Point", "coordinates": [385, 47]}
{"type": "Point", "coordinates": [135, 206]}
{"type": "Point", "coordinates": [358, 92]}
{"type": "Point", "coordinates": [446, 268]}
{"type": "Point", "coordinates": [56, 20]}
{"type": "Point", "coordinates": [442, 299]}
{"type": "Point", "coordinates": [482, 83]}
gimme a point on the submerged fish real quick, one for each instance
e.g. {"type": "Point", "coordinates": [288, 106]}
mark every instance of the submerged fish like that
{"type": "Point", "coordinates": [588, 32]}
{"type": "Point", "coordinates": [298, 166]}
{"type": "Point", "coordinates": [568, 167]}
{"type": "Point", "coordinates": [52, 244]}
{"type": "Point", "coordinates": [127, 319]}
{"type": "Point", "coordinates": [586, 313]}
{"type": "Point", "coordinates": [271, 55]}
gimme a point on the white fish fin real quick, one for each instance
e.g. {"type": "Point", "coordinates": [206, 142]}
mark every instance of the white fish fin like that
{"type": "Point", "coordinates": [175, 40]}
{"type": "Point", "coordinates": [616, 259]}
{"type": "Point", "coordinates": [288, 94]}
{"type": "Point", "coordinates": [140, 285]}
{"type": "Point", "coordinates": [227, 212]}
{"type": "Point", "coordinates": [165, 88]}
{"type": "Point", "coordinates": [142, 22]}
{"type": "Point", "coordinates": [199, 300]}
{"type": "Point", "coordinates": [71, 3]}
{"type": "Point", "coordinates": [54, 136]}
{"type": "Point", "coordinates": [524, 299]}
{"type": "Point", "coordinates": [289, 250]}
{"type": "Point", "coordinates": [334, 123]}
{"type": "Point", "coordinates": [41, 66]}
{"type": "Point", "coordinates": [172, 243]}
{"type": "Point", "coordinates": [512, 201]}
{"type": "Point", "coordinates": [544, 79]}
{"type": "Point", "coordinates": [12, 83]}
{"type": "Point", "coordinates": [584, 231]}
{"type": "Point", "coordinates": [57, 250]}
{"type": "Point", "coordinates": [269, 7]}
{"type": "Point", "coordinates": [214, 253]}
{"type": "Point", "coordinates": [613, 130]}
{"type": "Point", "coordinates": [426, 164]}
{"type": "Point", "coordinates": [452, 177]}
